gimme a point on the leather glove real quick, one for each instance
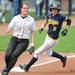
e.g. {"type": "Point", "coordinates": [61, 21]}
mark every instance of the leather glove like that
{"type": "Point", "coordinates": [31, 49]}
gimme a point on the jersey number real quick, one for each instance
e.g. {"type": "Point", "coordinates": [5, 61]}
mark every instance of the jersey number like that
{"type": "Point", "coordinates": [54, 27]}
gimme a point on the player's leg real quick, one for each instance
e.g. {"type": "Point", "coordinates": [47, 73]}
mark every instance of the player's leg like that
{"type": "Point", "coordinates": [54, 54]}
{"type": "Point", "coordinates": [21, 47]}
{"type": "Point", "coordinates": [61, 57]}
{"type": "Point", "coordinates": [48, 44]}
{"type": "Point", "coordinates": [11, 46]}
{"type": "Point", "coordinates": [34, 59]}
{"type": "Point", "coordinates": [57, 55]}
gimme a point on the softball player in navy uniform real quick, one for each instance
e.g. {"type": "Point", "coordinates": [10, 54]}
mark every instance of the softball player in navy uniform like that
{"type": "Point", "coordinates": [54, 22]}
{"type": "Point", "coordinates": [22, 26]}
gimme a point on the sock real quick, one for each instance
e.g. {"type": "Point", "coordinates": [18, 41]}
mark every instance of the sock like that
{"type": "Point", "coordinates": [54, 54]}
{"type": "Point", "coordinates": [33, 60]}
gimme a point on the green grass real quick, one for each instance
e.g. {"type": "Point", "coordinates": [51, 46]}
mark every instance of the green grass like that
{"type": "Point", "coordinates": [4, 42]}
{"type": "Point", "coordinates": [65, 44]}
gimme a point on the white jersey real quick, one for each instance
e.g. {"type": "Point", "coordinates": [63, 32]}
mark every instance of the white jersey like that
{"type": "Point", "coordinates": [22, 26]}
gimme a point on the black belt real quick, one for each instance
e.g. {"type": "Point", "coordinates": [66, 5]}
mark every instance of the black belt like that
{"type": "Point", "coordinates": [19, 39]}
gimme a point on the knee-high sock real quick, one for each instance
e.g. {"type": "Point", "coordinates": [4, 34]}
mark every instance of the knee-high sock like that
{"type": "Point", "coordinates": [33, 60]}
{"type": "Point", "coordinates": [54, 54]}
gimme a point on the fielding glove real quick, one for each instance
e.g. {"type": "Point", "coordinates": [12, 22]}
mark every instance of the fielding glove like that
{"type": "Point", "coordinates": [31, 49]}
{"type": "Point", "coordinates": [68, 22]}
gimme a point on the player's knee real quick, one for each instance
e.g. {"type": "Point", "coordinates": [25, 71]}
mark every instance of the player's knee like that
{"type": "Point", "coordinates": [48, 53]}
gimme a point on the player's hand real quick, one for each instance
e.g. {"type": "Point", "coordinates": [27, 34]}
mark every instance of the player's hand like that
{"type": "Point", "coordinates": [68, 22]}
{"type": "Point", "coordinates": [64, 32]}
{"type": "Point", "coordinates": [32, 44]}
{"type": "Point", "coordinates": [40, 30]}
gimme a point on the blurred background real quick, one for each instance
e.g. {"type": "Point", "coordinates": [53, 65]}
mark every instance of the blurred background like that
{"type": "Point", "coordinates": [38, 8]}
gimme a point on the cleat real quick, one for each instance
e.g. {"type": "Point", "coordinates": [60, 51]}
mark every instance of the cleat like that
{"type": "Point", "coordinates": [24, 67]}
{"type": "Point", "coordinates": [64, 61]}
{"type": "Point", "coordinates": [4, 73]}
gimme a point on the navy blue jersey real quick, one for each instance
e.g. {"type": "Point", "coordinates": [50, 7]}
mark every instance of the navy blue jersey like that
{"type": "Point", "coordinates": [54, 25]}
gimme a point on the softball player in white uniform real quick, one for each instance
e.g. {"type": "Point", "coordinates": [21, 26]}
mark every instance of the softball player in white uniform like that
{"type": "Point", "coordinates": [23, 26]}
{"type": "Point", "coordinates": [54, 21]}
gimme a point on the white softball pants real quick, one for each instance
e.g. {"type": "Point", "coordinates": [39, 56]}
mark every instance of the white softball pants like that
{"type": "Point", "coordinates": [48, 44]}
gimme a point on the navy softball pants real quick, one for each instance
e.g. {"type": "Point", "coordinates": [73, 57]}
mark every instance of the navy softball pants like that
{"type": "Point", "coordinates": [15, 48]}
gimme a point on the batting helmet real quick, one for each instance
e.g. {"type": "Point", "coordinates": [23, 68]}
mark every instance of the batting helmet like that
{"type": "Point", "coordinates": [55, 5]}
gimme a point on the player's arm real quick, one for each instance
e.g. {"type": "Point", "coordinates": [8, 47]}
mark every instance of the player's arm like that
{"type": "Point", "coordinates": [32, 38]}
{"type": "Point", "coordinates": [11, 26]}
{"type": "Point", "coordinates": [6, 32]}
{"type": "Point", "coordinates": [31, 47]}
{"type": "Point", "coordinates": [33, 33]}
{"type": "Point", "coordinates": [43, 26]}
{"type": "Point", "coordinates": [68, 22]}
{"type": "Point", "coordinates": [9, 30]}
{"type": "Point", "coordinates": [64, 32]}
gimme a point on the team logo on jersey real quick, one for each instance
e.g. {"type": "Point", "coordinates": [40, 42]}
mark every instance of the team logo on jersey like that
{"type": "Point", "coordinates": [53, 22]}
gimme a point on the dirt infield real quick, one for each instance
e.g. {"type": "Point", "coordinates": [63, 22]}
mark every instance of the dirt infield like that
{"type": "Point", "coordinates": [45, 67]}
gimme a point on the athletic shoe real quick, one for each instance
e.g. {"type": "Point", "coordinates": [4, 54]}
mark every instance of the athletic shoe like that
{"type": "Point", "coordinates": [4, 73]}
{"type": "Point", "coordinates": [24, 67]}
{"type": "Point", "coordinates": [64, 61]}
